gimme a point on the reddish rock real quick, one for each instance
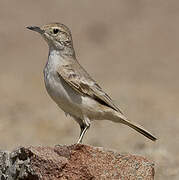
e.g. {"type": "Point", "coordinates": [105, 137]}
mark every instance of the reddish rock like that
{"type": "Point", "coordinates": [73, 162]}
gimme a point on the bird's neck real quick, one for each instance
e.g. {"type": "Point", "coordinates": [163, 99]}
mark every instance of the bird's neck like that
{"type": "Point", "coordinates": [57, 58]}
{"type": "Point", "coordinates": [64, 52]}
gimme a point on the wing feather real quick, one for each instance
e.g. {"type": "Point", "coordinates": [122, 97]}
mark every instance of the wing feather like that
{"type": "Point", "coordinates": [80, 80]}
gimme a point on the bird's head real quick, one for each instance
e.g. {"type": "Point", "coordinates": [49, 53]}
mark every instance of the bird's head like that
{"type": "Point", "coordinates": [57, 35]}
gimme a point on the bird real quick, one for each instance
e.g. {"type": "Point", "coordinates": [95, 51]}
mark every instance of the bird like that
{"type": "Point", "coordinates": [72, 88]}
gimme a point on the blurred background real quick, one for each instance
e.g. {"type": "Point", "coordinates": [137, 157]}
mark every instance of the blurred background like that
{"type": "Point", "coordinates": [129, 46]}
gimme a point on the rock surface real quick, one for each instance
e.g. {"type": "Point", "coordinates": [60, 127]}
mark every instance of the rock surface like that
{"type": "Point", "coordinates": [72, 162]}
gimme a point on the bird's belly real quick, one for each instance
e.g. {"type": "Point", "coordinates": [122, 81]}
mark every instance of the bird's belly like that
{"type": "Point", "coordinates": [65, 97]}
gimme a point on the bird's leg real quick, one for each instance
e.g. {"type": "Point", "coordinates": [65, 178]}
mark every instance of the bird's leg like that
{"type": "Point", "coordinates": [82, 133]}
{"type": "Point", "coordinates": [84, 127]}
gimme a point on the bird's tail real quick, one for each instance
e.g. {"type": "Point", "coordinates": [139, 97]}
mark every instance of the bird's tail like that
{"type": "Point", "coordinates": [122, 119]}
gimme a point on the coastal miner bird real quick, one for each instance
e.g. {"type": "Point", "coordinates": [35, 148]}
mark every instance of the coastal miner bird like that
{"type": "Point", "coordinates": [72, 88]}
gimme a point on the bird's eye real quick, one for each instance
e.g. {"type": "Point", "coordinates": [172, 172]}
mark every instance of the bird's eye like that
{"type": "Point", "coordinates": [55, 31]}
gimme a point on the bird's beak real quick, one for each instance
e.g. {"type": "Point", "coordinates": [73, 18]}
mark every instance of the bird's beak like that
{"type": "Point", "coordinates": [35, 28]}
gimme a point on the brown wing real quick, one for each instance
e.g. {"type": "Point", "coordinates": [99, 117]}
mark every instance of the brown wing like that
{"type": "Point", "coordinates": [79, 79]}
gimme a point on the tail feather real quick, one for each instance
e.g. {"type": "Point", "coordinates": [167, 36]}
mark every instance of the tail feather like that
{"type": "Point", "coordinates": [141, 130]}
{"type": "Point", "coordinates": [122, 119]}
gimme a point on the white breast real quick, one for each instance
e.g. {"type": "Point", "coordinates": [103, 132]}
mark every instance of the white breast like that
{"type": "Point", "coordinates": [66, 98]}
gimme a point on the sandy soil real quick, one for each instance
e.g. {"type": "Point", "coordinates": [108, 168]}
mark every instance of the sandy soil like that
{"type": "Point", "coordinates": [129, 47]}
